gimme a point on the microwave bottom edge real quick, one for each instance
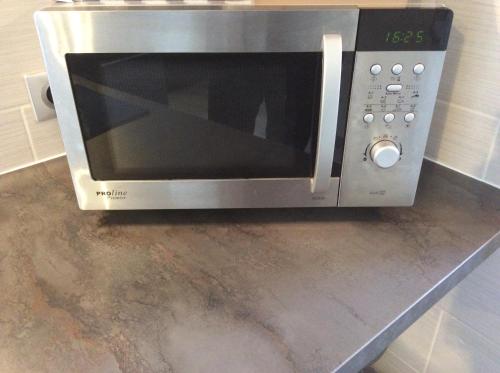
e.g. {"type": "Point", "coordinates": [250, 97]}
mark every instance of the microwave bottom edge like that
{"type": "Point", "coordinates": [217, 194]}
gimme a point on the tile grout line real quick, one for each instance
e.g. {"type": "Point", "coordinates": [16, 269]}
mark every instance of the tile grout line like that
{"type": "Point", "coordinates": [34, 163]}
{"type": "Point", "coordinates": [401, 360]}
{"type": "Point", "coordinates": [490, 151]}
{"type": "Point", "coordinates": [12, 108]}
{"type": "Point", "coordinates": [465, 108]}
{"type": "Point", "coordinates": [470, 326]}
{"type": "Point", "coordinates": [28, 133]}
{"type": "Point", "coordinates": [441, 163]}
{"type": "Point", "coordinates": [433, 341]}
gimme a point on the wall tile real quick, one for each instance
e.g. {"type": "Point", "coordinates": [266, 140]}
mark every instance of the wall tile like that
{"type": "Point", "coordinates": [414, 344]}
{"type": "Point", "coordinates": [459, 349]}
{"type": "Point", "coordinates": [465, 137]}
{"type": "Point", "coordinates": [471, 76]}
{"type": "Point", "coordinates": [390, 363]}
{"type": "Point", "coordinates": [15, 148]}
{"type": "Point", "coordinates": [45, 136]}
{"type": "Point", "coordinates": [461, 138]}
{"type": "Point", "coordinates": [492, 172]}
{"type": "Point", "coordinates": [19, 49]}
{"type": "Point", "coordinates": [476, 300]}
{"type": "Point", "coordinates": [468, 339]}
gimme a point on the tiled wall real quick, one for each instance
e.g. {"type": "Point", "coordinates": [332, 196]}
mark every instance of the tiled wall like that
{"type": "Point", "coordinates": [465, 131]}
{"type": "Point", "coordinates": [464, 135]}
{"type": "Point", "coordinates": [22, 140]}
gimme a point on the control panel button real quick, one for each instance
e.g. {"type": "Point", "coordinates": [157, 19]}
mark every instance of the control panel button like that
{"type": "Point", "coordinates": [397, 69]}
{"type": "Point", "coordinates": [385, 154]}
{"type": "Point", "coordinates": [409, 117]}
{"type": "Point", "coordinates": [375, 69]}
{"type": "Point", "coordinates": [394, 88]}
{"type": "Point", "coordinates": [368, 118]}
{"type": "Point", "coordinates": [418, 68]}
{"type": "Point", "coordinates": [388, 118]}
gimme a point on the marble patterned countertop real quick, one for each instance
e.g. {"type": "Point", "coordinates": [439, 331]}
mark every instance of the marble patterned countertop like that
{"type": "Point", "coordinates": [281, 290]}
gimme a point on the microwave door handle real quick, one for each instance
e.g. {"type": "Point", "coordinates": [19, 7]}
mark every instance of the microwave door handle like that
{"type": "Point", "coordinates": [327, 128]}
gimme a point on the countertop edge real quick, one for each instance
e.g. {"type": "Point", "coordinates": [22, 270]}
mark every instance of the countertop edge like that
{"type": "Point", "coordinates": [372, 349]}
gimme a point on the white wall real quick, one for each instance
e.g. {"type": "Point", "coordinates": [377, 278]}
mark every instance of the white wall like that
{"type": "Point", "coordinates": [464, 134]}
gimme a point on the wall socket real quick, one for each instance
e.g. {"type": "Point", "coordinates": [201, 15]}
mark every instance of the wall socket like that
{"type": "Point", "coordinates": [40, 96]}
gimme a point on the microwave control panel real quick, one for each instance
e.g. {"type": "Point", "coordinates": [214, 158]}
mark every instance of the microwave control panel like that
{"type": "Point", "coordinates": [392, 100]}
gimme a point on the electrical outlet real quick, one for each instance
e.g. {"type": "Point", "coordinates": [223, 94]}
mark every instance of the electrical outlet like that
{"type": "Point", "coordinates": [40, 96]}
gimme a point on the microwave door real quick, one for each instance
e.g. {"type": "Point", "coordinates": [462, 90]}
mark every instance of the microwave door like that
{"type": "Point", "coordinates": [206, 116]}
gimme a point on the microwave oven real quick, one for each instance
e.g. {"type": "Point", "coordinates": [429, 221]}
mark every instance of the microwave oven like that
{"type": "Point", "coordinates": [169, 106]}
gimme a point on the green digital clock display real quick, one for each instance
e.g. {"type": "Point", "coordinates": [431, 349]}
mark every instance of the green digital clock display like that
{"type": "Point", "coordinates": [405, 37]}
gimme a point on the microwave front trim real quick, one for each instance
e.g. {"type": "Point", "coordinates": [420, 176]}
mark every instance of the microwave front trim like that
{"type": "Point", "coordinates": [63, 31]}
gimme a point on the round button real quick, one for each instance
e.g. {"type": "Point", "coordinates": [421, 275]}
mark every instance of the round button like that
{"type": "Point", "coordinates": [418, 68]}
{"type": "Point", "coordinates": [368, 118]}
{"type": "Point", "coordinates": [409, 117]}
{"type": "Point", "coordinates": [375, 69]}
{"type": "Point", "coordinates": [397, 69]}
{"type": "Point", "coordinates": [388, 118]}
{"type": "Point", "coordinates": [385, 154]}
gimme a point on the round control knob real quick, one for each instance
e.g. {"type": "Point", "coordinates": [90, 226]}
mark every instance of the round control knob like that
{"type": "Point", "coordinates": [385, 154]}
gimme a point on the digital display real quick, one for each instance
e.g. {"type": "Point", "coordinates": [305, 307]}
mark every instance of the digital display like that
{"type": "Point", "coordinates": [405, 29]}
{"type": "Point", "coordinates": [405, 37]}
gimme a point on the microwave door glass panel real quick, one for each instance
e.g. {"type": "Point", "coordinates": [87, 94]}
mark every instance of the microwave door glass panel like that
{"type": "Point", "coordinates": [197, 116]}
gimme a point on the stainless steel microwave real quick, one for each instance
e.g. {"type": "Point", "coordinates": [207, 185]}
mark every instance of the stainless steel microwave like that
{"type": "Point", "coordinates": [231, 106]}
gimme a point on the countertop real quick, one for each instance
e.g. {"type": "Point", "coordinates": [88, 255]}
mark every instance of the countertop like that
{"type": "Point", "coordinates": [280, 290]}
